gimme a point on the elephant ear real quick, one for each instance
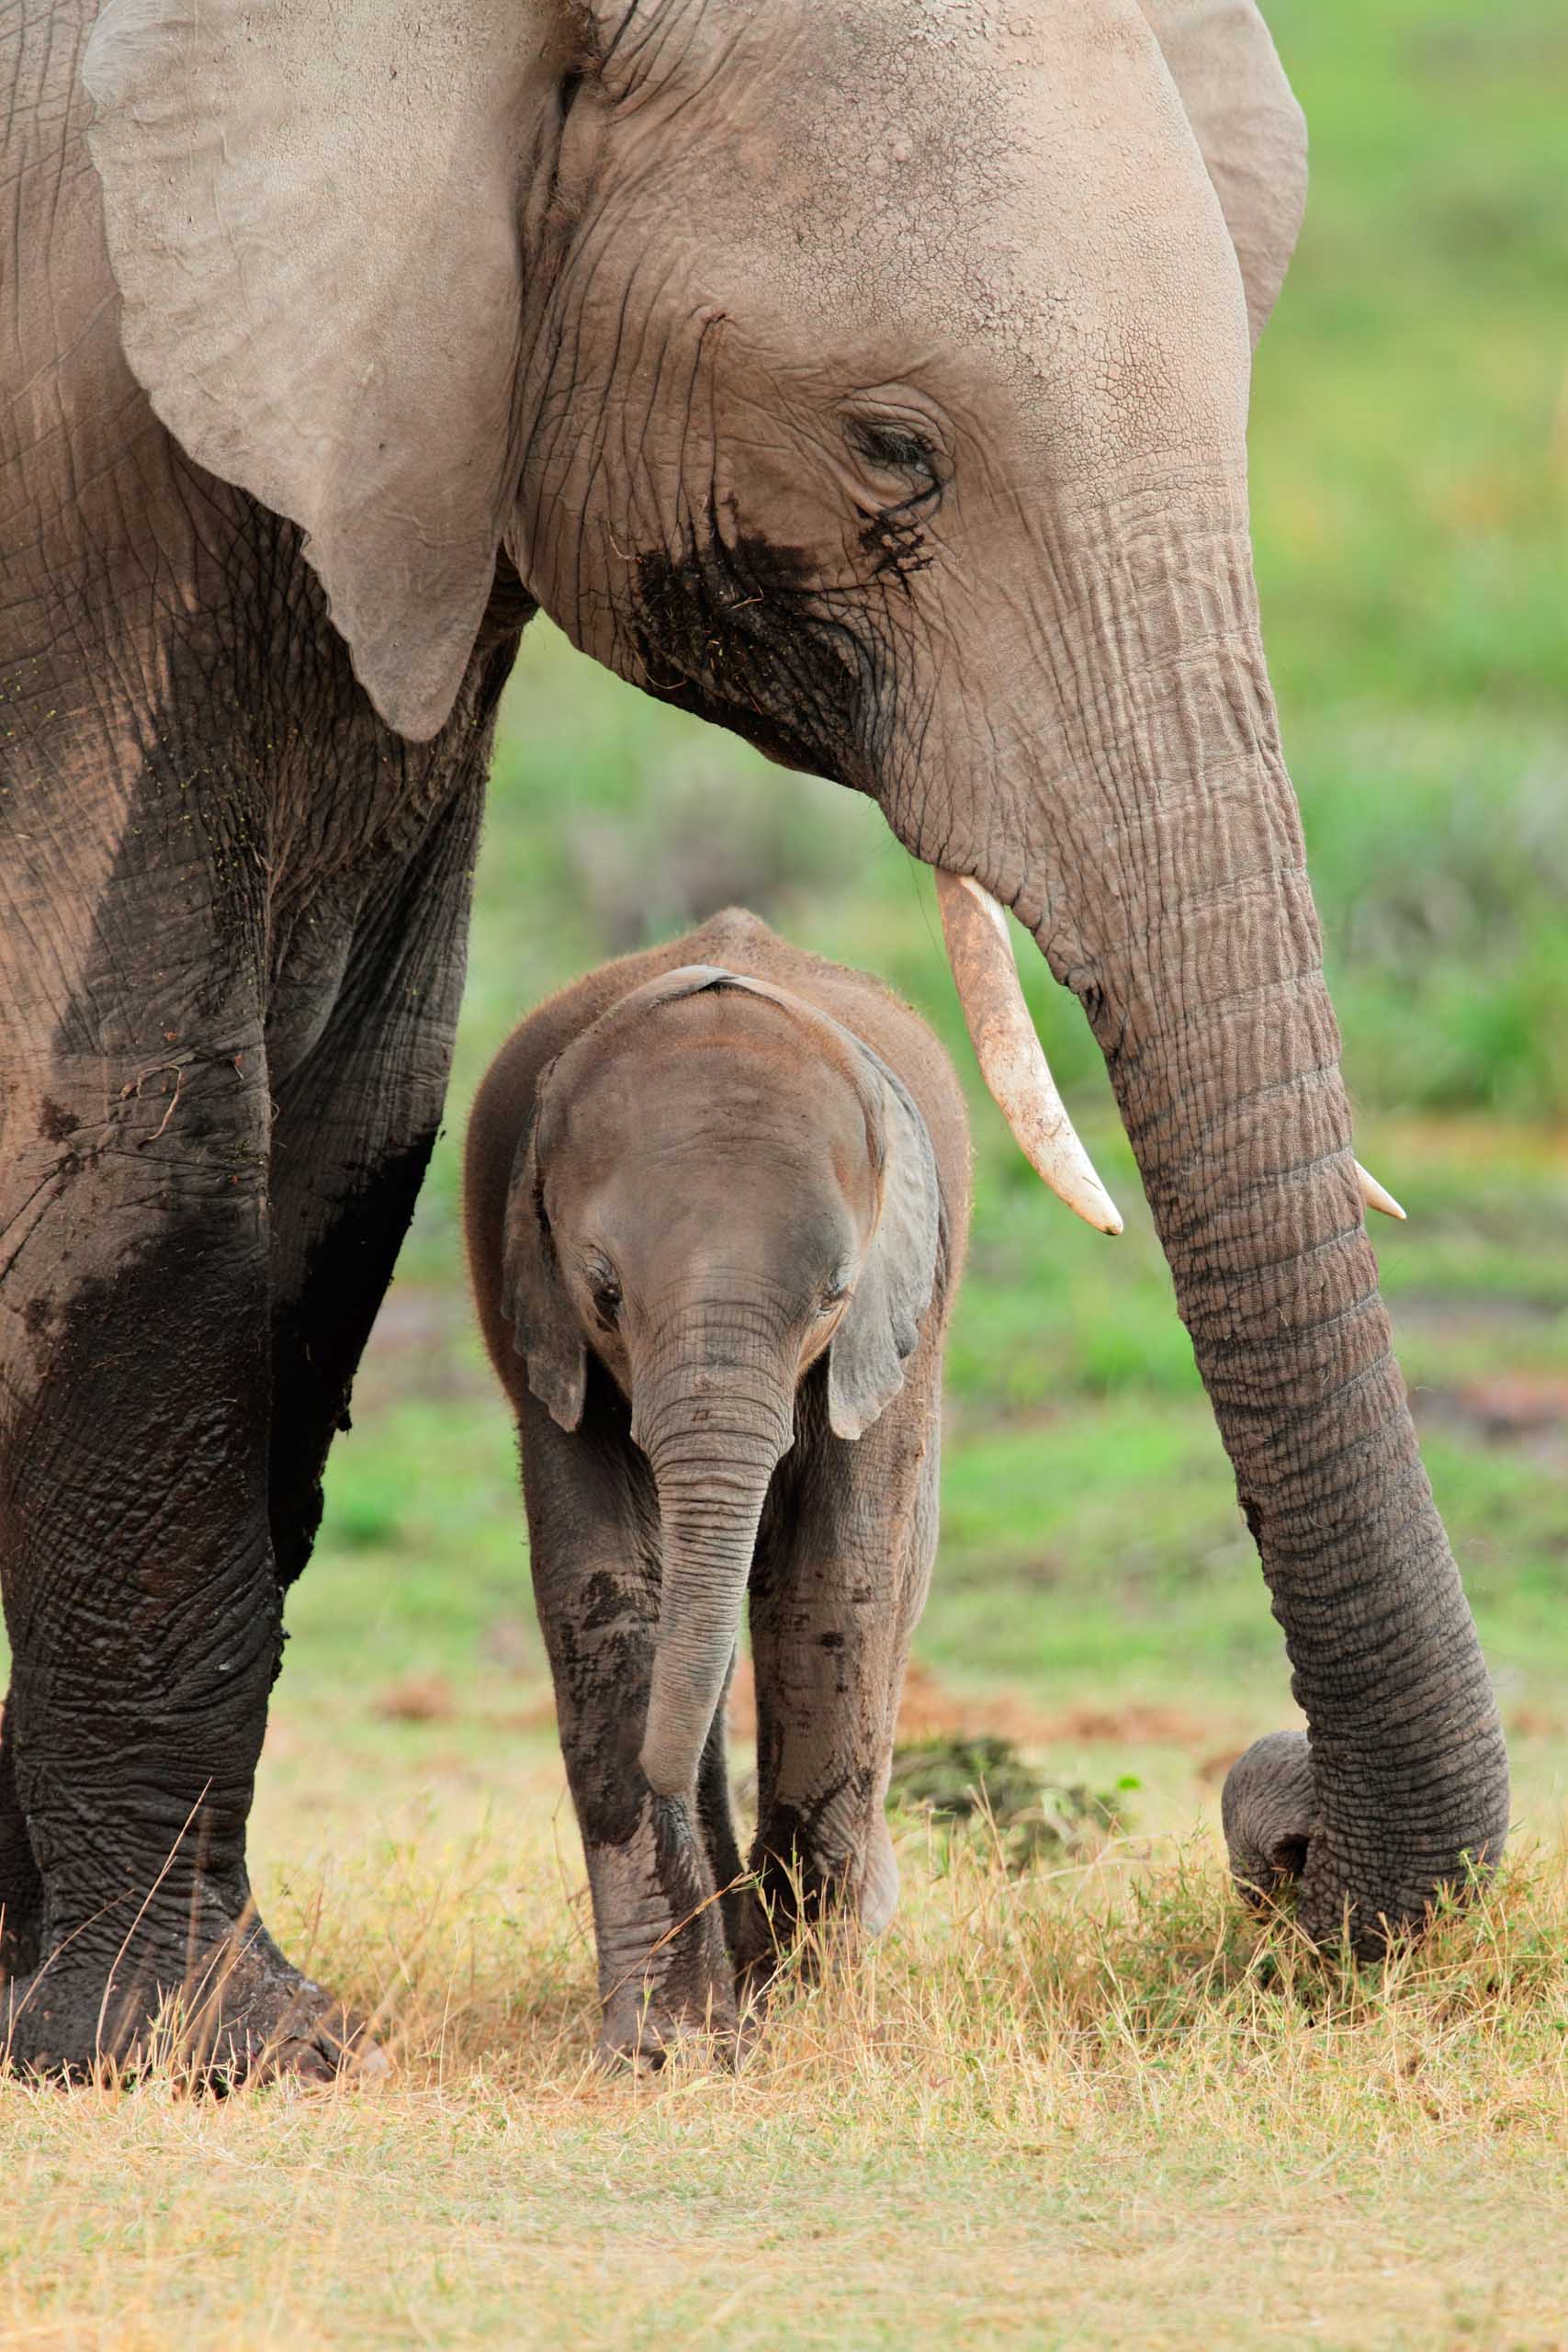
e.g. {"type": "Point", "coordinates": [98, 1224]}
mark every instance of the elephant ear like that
{"type": "Point", "coordinates": [1249, 127]}
{"type": "Point", "coordinates": [881, 1326]}
{"type": "Point", "coordinates": [312, 214]}
{"type": "Point", "coordinates": [545, 1329]}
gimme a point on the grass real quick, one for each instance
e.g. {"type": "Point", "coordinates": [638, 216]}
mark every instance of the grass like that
{"type": "Point", "coordinates": [1093, 2107]}
{"type": "Point", "coordinates": [1090, 2105]}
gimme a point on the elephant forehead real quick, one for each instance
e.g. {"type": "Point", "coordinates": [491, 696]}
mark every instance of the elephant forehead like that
{"type": "Point", "coordinates": [1011, 192]}
{"type": "Point", "coordinates": [721, 1064]}
{"type": "Point", "coordinates": [715, 1109]}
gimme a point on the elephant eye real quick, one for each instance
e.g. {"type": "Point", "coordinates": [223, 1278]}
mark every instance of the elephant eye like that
{"type": "Point", "coordinates": [605, 1285]}
{"type": "Point", "coordinates": [833, 1295]}
{"type": "Point", "coordinates": [889, 445]}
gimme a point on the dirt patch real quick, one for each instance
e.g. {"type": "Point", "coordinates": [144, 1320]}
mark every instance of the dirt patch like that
{"type": "Point", "coordinates": [433, 1699]}
{"type": "Point", "coordinates": [1134, 1726]}
{"type": "Point", "coordinates": [418, 1698]}
{"type": "Point", "coordinates": [1508, 1407]}
{"type": "Point", "coordinates": [1534, 1722]}
{"type": "Point", "coordinates": [929, 1710]}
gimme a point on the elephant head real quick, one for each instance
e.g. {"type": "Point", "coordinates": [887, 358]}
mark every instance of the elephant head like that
{"type": "Point", "coordinates": [719, 1185]}
{"type": "Point", "coordinates": [873, 379]}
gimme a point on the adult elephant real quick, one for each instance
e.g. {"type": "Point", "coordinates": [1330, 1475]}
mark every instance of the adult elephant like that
{"type": "Point", "coordinates": [871, 378]}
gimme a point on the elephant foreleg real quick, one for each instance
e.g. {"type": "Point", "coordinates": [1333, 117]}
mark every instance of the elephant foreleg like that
{"type": "Point", "coordinates": [140, 1597]}
{"type": "Point", "coordinates": [354, 1122]}
{"type": "Point", "coordinates": [21, 1885]}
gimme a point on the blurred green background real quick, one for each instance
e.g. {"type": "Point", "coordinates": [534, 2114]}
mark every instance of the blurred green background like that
{"type": "Point", "coordinates": [1095, 1587]}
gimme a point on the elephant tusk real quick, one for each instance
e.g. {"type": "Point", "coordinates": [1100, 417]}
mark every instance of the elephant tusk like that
{"type": "Point", "coordinates": [1375, 1197]}
{"type": "Point", "coordinates": [1012, 1061]}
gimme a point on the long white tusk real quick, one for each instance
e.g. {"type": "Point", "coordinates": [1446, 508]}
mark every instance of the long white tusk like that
{"type": "Point", "coordinates": [1375, 1197]}
{"type": "Point", "coordinates": [1008, 1052]}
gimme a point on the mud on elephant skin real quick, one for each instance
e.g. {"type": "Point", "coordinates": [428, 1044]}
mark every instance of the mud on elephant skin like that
{"type": "Point", "coordinates": [872, 379]}
{"type": "Point", "coordinates": [715, 1203]}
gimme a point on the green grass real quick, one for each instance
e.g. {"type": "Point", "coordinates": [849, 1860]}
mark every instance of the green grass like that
{"type": "Point", "coordinates": [1094, 2106]}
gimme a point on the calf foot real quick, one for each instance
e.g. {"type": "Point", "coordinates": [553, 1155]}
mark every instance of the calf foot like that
{"type": "Point", "coordinates": [665, 1977]}
{"type": "Point", "coordinates": [647, 2027]}
{"type": "Point", "coordinates": [805, 1904]}
{"type": "Point", "coordinates": [237, 2013]}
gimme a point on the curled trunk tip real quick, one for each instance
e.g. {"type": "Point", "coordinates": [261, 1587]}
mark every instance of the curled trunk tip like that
{"type": "Point", "coordinates": [1269, 1812]}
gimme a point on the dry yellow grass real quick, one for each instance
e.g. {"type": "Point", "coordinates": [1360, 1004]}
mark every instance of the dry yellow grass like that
{"type": "Point", "coordinates": [1093, 2107]}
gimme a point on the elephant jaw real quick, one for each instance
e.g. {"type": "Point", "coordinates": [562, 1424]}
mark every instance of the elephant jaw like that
{"type": "Point", "coordinates": [1014, 1063]}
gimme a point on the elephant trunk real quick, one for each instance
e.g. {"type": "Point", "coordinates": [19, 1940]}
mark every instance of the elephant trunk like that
{"type": "Point", "coordinates": [1192, 940]}
{"type": "Point", "coordinates": [715, 1415]}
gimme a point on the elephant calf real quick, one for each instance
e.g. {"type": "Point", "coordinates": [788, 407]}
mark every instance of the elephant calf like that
{"type": "Point", "coordinates": [717, 1201]}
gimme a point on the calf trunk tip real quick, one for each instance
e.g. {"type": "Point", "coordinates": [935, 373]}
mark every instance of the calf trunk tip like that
{"type": "Point", "coordinates": [669, 1762]}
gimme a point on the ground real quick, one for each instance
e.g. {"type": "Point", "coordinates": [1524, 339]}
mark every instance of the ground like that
{"type": "Point", "coordinates": [1086, 2102]}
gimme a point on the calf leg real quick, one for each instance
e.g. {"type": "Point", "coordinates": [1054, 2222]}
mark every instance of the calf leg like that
{"type": "Point", "coordinates": [841, 1581]}
{"type": "Point", "coordinates": [664, 1972]}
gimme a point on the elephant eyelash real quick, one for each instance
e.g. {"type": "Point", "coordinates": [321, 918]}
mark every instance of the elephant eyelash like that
{"type": "Point", "coordinates": [604, 1285]}
{"type": "Point", "coordinates": [895, 447]}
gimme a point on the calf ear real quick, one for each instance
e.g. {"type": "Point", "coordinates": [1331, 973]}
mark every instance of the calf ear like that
{"type": "Point", "coordinates": [881, 1325]}
{"type": "Point", "coordinates": [1248, 127]}
{"type": "Point", "coordinates": [544, 1329]}
{"type": "Point", "coordinates": [312, 215]}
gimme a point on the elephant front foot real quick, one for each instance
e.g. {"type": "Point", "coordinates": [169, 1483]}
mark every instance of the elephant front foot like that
{"type": "Point", "coordinates": [240, 2014]}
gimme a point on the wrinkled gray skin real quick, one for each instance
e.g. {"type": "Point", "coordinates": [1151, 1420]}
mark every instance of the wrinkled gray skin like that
{"type": "Point", "coordinates": [716, 1203]}
{"type": "Point", "coordinates": [873, 379]}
